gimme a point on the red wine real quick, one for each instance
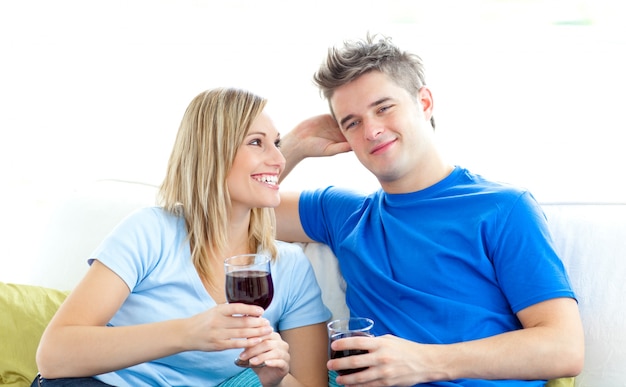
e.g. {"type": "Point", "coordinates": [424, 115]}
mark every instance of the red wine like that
{"type": "Point", "coordinates": [349, 352]}
{"type": "Point", "coordinates": [251, 287]}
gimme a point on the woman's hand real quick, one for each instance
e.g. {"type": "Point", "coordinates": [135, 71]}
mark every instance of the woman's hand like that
{"type": "Point", "coordinates": [226, 326]}
{"type": "Point", "coordinates": [272, 351]}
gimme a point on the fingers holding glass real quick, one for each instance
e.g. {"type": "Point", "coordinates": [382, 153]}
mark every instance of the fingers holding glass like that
{"type": "Point", "coordinates": [348, 327]}
{"type": "Point", "coordinates": [249, 281]}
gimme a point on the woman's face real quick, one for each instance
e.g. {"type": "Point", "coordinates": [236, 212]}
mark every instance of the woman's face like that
{"type": "Point", "coordinates": [253, 179]}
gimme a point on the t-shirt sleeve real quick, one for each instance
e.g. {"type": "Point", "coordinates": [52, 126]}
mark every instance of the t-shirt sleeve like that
{"type": "Point", "coordinates": [129, 249]}
{"type": "Point", "coordinates": [324, 213]}
{"type": "Point", "coordinates": [303, 302]}
{"type": "Point", "coordinates": [528, 267]}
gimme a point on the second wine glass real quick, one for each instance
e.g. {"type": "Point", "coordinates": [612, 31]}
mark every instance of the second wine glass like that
{"type": "Point", "coordinates": [249, 281]}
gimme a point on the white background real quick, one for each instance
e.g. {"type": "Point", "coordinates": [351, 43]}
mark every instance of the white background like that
{"type": "Point", "coordinates": [528, 92]}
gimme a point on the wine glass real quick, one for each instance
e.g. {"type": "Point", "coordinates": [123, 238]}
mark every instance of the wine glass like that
{"type": "Point", "coordinates": [348, 327]}
{"type": "Point", "coordinates": [249, 281]}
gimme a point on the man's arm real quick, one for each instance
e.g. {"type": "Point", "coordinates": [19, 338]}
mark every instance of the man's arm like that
{"type": "Point", "coordinates": [317, 136]}
{"type": "Point", "coordinates": [288, 225]}
{"type": "Point", "coordinates": [550, 346]}
{"type": "Point", "coordinates": [314, 137]}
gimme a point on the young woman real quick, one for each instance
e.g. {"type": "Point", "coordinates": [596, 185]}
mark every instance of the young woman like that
{"type": "Point", "coordinates": [152, 311]}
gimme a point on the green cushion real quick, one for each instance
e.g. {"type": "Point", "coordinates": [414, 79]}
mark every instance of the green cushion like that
{"type": "Point", "coordinates": [24, 314]}
{"type": "Point", "coordinates": [563, 382]}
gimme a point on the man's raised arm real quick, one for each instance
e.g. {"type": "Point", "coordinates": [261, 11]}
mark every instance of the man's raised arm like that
{"type": "Point", "coordinates": [317, 136]}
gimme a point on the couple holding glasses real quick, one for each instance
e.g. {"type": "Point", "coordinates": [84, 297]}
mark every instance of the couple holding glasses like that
{"type": "Point", "coordinates": [458, 273]}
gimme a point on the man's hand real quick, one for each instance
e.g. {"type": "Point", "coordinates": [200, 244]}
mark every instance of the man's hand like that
{"type": "Point", "coordinates": [391, 361]}
{"type": "Point", "coordinates": [320, 136]}
{"type": "Point", "coordinates": [317, 136]}
{"type": "Point", "coordinates": [550, 346]}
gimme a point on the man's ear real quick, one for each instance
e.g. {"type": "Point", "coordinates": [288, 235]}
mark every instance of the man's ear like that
{"type": "Point", "coordinates": [426, 99]}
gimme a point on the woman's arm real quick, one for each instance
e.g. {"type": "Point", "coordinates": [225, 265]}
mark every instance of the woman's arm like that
{"type": "Point", "coordinates": [308, 347]}
{"type": "Point", "coordinates": [79, 326]}
{"type": "Point", "coordinates": [294, 358]}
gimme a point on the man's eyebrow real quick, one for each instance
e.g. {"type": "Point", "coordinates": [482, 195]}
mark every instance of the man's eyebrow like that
{"type": "Point", "coordinates": [346, 118]}
{"type": "Point", "coordinates": [380, 101]}
{"type": "Point", "coordinates": [373, 104]}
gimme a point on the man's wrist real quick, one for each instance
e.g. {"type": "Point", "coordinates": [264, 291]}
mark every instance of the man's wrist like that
{"type": "Point", "coordinates": [289, 149]}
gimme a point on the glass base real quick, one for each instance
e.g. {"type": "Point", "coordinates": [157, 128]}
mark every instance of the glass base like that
{"type": "Point", "coordinates": [246, 364]}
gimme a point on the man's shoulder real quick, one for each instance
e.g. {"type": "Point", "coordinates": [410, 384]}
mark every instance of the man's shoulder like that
{"type": "Point", "coordinates": [480, 183]}
{"type": "Point", "coordinates": [338, 196]}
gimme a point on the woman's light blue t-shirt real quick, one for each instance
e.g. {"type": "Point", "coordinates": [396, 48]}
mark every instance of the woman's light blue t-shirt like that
{"type": "Point", "coordinates": [149, 251]}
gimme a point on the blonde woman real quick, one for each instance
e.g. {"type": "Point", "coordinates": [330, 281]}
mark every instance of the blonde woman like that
{"type": "Point", "coordinates": [151, 311]}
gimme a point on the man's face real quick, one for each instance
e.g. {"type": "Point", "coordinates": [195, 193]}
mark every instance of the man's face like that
{"type": "Point", "coordinates": [386, 127]}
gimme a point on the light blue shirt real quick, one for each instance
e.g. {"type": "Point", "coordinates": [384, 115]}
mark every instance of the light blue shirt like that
{"type": "Point", "coordinates": [149, 251]}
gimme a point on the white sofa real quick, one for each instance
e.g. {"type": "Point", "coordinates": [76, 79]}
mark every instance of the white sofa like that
{"type": "Point", "coordinates": [591, 239]}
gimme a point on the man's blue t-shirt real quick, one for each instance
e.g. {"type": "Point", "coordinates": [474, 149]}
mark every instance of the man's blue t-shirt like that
{"type": "Point", "coordinates": [150, 252]}
{"type": "Point", "coordinates": [450, 263]}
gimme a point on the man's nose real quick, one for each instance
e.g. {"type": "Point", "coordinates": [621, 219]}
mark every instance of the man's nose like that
{"type": "Point", "coordinates": [372, 129]}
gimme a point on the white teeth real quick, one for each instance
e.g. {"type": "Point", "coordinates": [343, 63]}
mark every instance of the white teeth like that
{"type": "Point", "coordinates": [268, 179]}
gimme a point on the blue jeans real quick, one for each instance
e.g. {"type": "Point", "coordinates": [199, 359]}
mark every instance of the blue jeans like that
{"type": "Point", "coordinates": [67, 382]}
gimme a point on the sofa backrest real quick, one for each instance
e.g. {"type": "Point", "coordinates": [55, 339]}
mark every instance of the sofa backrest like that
{"type": "Point", "coordinates": [591, 239]}
{"type": "Point", "coordinates": [78, 223]}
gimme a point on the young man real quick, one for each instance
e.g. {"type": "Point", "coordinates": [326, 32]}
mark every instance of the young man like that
{"type": "Point", "coordinates": [459, 273]}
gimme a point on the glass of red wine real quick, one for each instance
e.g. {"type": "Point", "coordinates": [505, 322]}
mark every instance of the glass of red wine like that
{"type": "Point", "coordinates": [249, 281]}
{"type": "Point", "coordinates": [348, 327]}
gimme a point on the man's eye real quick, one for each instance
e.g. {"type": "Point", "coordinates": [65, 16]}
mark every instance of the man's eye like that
{"type": "Point", "coordinates": [383, 109]}
{"type": "Point", "coordinates": [352, 124]}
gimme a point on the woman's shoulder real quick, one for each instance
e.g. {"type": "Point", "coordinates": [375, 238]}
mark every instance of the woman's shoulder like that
{"type": "Point", "coordinates": [154, 213]}
{"type": "Point", "coordinates": [153, 220]}
{"type": "Point", "coordinates": [290, 250]}
{"type": "Point", "coordinates": [291, 258]}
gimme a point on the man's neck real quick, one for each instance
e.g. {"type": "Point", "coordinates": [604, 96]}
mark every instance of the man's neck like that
{"type": "Point", "coordinates": [423, 178]}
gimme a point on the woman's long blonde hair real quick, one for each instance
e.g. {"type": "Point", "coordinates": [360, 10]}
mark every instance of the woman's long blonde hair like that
{"type": "Point", "coordinates": [212, 130]}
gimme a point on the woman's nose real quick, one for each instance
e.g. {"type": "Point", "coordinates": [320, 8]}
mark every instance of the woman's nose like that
{"type": "Point", "coordinates": [278, 158]}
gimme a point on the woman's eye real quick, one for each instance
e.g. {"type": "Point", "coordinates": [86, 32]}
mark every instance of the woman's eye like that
{"type": "Point", "coordinates": [277, 143]}
{"type": "Point", "coordinates": [256, 141]}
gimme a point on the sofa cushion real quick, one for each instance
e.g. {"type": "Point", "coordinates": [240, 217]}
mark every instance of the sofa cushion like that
{"type": "Point", "coordinates": [563, 382]}
{"type": "Point", "coordinates": [25, 311]}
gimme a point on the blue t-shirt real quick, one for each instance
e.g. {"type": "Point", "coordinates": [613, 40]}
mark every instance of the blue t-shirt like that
{"type": "Point", "coordinates": [450, 263]}
{"type": "Point", "coordinates": [149, 251]}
